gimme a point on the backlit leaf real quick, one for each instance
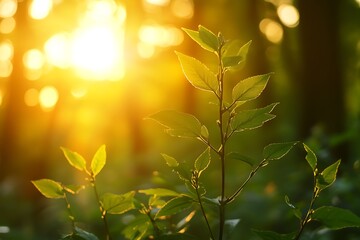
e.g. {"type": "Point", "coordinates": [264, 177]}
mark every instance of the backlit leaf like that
{"type": "Point", "coordinates": [276, 151]}
{"type": "Point", "coordinates": [235, 54]}
{"type": "Point", "coordinates": [328, 176]}
{"type": "Point", "coordinates": [336, 218]}
{"type": "Point", "coordinates": [98, 161]}
{"type": "Point", "coordinates": [209, 38]}
{"type": "Point", "coordinates": [199, 75]}
{"type": "Point", "coordinates": [161, 192]}
{"type": "Point", "coordinates": [251, 119]}
{"type": "Point", "coordinates": [49, 188]}
{"type": "Point", "coordinates": [203, 161]}
{"type": "Point", "coordinates": [250, 88]}
{"type": "Point", "coordinates": [175, 205]}
{"type": "Point", "coordinates": [196, 37]}
{"type": "Point", "coordinates": [75, 159]}
{"type": "Point", "coordinates": [310, 157]}
{"type": "Point", "coordinates": [118, 203]}
{"type": "Point", "coordinates": [178, 124]}
{"type": "Point", "coordinates": [170, 161]}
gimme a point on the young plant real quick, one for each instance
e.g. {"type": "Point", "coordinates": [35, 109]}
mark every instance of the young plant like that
{"type": "Point", "coordinates": [109, 203]}
{"type": "Point", "coordinates": [232, 119]}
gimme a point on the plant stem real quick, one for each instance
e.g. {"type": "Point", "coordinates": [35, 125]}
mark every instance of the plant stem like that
{"type": "Point", "coordinates": [71, 216]}
{"type": "Point", "coordinates": [153, 223]}
{"type": "Point", "coordinates": [196, 186]}
{"type": "Point", "coordinates": [102, 210]}
{"type": "Point", "coordinates": [221, 150]}
{"type": "Point", "coordinates": [309, 211]}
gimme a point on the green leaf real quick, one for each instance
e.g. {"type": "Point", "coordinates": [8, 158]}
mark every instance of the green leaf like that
{"type": "Point", "coordinates": [178, 124]}
{"type": "Point", "coordinates": [310, 157]}
{"type": "Point", "coordinates": [241, 157]}
{"type": "Point", "coordinates": [118, 203]}
{"type": "Point", "coordinates": [328, 176]}
{"type": "Point", "coordinates": [336, 218]}
{"type": "Point", "coordinates": [250, 88]}
{"type": "Point", "coordinates": [74, 189]}
{"type": "Point", "coordinates": [138, 228]}
{"type": "Point", "coordinates": [84, 234]}
{"type": "Point", "coordinates": [276, 151]}
{"type": "Point", "coordinates": [235, 54]}
{"type": "Point", "coordinates": [199, 75]}
{"type": "Point", "coordinates": [98, 161]}
{"type": "Point", "coordinates": [49, 188]}
{"type": "Point", "coordinates": [209, 38]}
{"type": "Point", "coordinates": [75, 159]}
{"type": "Point", "coordinates": [296, 211]}
{"type": "Point", "coordinates": [194, 35]}
{"type": "Point", "coordinates": [268, 235]}
{"type": "Point", "coordinates": [174, 206]}
{"type": "Point", "coordinates": [251, 119]}
{"type": "Point", "coordinates": [204, 132]}
{"type": "Point", "coordinates": [161, 192]}
{"type": "Point", "coordinates": [203, 161]}
{"type": "Point", "coordinates": [170, 161]}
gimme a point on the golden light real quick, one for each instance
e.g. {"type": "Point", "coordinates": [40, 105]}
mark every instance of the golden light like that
{"type": "Point", "coordinates": [31, 97]}
{"type": "Point", "coordinates": [96, 47]}
{"type": "Point", "coordinates": [78, 92]}
{"type": "Point", "coordinates": [288, 15]}
{"type": "Point", "coordinates": [6, 54]}
{"type": "Point", "coordinates": [7, 25]}
{"type": "Point", "coordinates": [183, 8]}
{"type": "Point", "coordinates": [6, 51]}
{"type": "Point", "coordinates": [33, 59]}
{"type": "Point", "coordinates": [1, 97]}
{"type": "Point", "coordinates": [272, 30]}
{"type": "Point", "coordinates": [40, 9]}
{"type": "Point", "coordinates": [162, 36]}
{"type": "Point", "coordinates": [158, 2]}
{"type": "Point", "coordinates": [8, 8]}
{"type": "Point", "coordinates": [48, 97]}
{"type": "Point", "coordinates": [95, 53]}
{"type": "Point", "coordinates": [358, 2]}
{"type": "Point", "coordinates": [145, 50]}
{"type": "Point", "coordinates": [57, 50]}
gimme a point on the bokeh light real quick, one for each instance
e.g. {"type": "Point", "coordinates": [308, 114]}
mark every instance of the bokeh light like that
{"type": "Point", "coordinates": [33, 59]}
{"type": "Point", "coordinates": [6, 55]}
{"type": "Point", "coordinates": [288, 15]}
{"type": "Point", "coordinates": [48, 97]}
{"type": "Point", "coordinates": [40, 9]}
{"type": "Point", "coordinates": [272, 30]}
{"type": "Point", "coordinates": [158, 35]}
{"type": "Point", "coordinates": [183, 8]}
{"type": "Point", "coordinates": [31, 97]}
{"type": "Point", "coordinates": [8, 8]}
{"type": "Point", "coordinates": [57, 50]}
{"type": "Point", "coordinates": [158, 2]}
{"type": "Point", "coordinates": [7, 25]}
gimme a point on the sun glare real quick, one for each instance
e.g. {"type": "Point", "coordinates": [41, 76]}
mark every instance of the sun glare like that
{"type": "Point", "coordinates": [288, 15]}
{"type": "Point", "coordinates": [40, 9]}
{"type": "Point", "coordinates": [48, 97]}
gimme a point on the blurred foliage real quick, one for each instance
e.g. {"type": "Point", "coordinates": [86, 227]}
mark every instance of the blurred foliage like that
{"type": "Point", "coordinates": [317, 82]}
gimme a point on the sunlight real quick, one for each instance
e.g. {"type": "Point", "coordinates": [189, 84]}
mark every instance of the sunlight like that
{"type": "Point", "coordinates": [31, 97]}
{"type": "Point", "coordinates": [33, 59]}
{"type": "Point", "coordinates": [48, 97]}
{"type": "Point", "coordinates": [57, 50]}
{"type": "Point", "coordinates": [95, 53]}
{"type": "Point", "coordinates": [163, 36]}
{"type": "Point", "coordinates": [7, 25]}
{"type": "Point", "coordinates": [358, 2]}
{"type": "Point", "coordinates": [272, 30]}
{"type": "Point", "coordinates": [183, 8]}
{"type": "Point", "coordinates": [40, 9]}
{"type": "Point", "coordinates": [8, 8]}
{"type": "Point", "coordinates": [288, 15]}
{"type": "Point", "coordinates": [96, 47]}
{"type": "Point", "coordinates": [158, 2]}
{"type": "Point", "coordinates": [6, 54]}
